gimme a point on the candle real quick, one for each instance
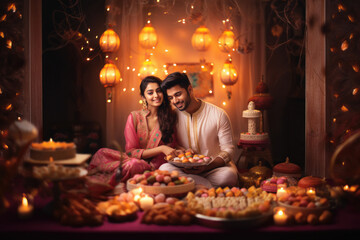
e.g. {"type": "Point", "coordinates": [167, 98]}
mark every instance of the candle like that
{"type": "Point", "coordinates": [146, 202]}
{"type": "Point", "coordinates": [311, 192]}
{"type": "Point", "coordinates": [280, 192]}
{"type": "Point", "coordinates": [280, 218]}
{"type": "Point", "coordinates": [25, 209]}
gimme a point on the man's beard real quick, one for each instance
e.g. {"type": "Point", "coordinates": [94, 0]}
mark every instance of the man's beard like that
{"type": "Point", "coordinates": [185, 105]}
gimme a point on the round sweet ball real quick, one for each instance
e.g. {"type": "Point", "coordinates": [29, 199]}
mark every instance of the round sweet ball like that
{"type": "Point", "coordinates": [310, 181]}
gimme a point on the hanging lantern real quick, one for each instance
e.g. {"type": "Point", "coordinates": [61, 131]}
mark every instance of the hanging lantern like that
{"type": "Point", "coordinates": [228, 74]}
{"type": "Point", "coordinates": [109, 41]}
{"type": "Point", "coordinates": [201, 39]}
{"type": "Point", "coordinates": [109, 75]}
{"type": "Point", "coordinates": [226, 41]}
{"type": "Point", "coordinates": [147, 69]}
{"type": "Point", "coordinates": [147, 37]}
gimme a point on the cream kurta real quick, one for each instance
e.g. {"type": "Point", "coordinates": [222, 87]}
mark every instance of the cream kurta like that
{"type": "Point", "coordinates": [207, 131]}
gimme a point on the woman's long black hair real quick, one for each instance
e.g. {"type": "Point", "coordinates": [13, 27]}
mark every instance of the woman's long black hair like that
{"type": "Point", "coordinates": [166, 115]}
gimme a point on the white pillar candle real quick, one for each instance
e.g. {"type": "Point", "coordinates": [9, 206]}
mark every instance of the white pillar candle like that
{"type": "Point", "coordinates": [280, 218]}
{"type": "Point", "coordinates": [280, 192]}
{"type": "Point", "coordinates": [146, 202]}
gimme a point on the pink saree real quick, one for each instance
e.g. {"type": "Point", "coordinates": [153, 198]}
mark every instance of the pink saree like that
{"type": "Point", "coordinates": [106, 162]}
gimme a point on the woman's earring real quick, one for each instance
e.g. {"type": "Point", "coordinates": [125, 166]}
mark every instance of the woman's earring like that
{"type": "Point", "coordinates": [144, 105]}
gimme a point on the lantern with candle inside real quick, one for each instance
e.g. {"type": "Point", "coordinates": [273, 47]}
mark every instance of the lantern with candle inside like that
{"type": "Point", "coordinates": [146, 202]}
{"type": "Point", "coordinates": [109, 41]}
{"type": "Point", "coordinates": [201, 39]}
{"type": "Point", "coordinates": [25, 209]}
{"type": "Point", "coordinates": [109, 77]}
{"type": "Point", "coordinates": [148, 38]}
{"type": "Point", "coordinates": [226, 41]}
{"type": "Point", "coordinates": [280, 217]}
{"type": "Point", "coordinates": [228, 75]}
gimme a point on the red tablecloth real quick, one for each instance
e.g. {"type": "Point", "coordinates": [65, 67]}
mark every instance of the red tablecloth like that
{"type": "Point", "coordinates": [346, 224]}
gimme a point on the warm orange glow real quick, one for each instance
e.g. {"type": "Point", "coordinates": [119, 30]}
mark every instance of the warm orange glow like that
{"type": "Point", "coordinates": [109, 75]}
{"type": "Point", "coordinates": [147, 69]}
{"type": "Point", "coordinates": [341, 7]}
{"type": "Point", "coordinates": [9, 44]}
{"type": "Point", "coordinates": [12, 7]}
{"type": "Point", "coordinates": [344, 45]}
{"type": "Point", "coordinates": [228, 73]}
{"type": "Point", "coordinates": [355, 67]}
{"type": "Point", "coordinates": [148, 38]}
{"type": "Point", "coordinates": [24, 201]}
{"type": "Point", "coordinates": [355, 91]}
{"type": "Point", "coordinates": [201, 39]}
{"type": "Point", "coordinates": [226, 41]}
{"type": "Point", "coordinates": [109, 41]}
{"type": "Point", "coordinates": [344, 108]}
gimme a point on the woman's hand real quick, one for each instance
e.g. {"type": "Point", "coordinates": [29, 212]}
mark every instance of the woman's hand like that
{"type": "Point", "coordinates": [168, 150]}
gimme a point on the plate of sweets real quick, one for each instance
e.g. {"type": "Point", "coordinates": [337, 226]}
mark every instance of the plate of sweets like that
{"type": "Point", "coordinates": [299, 200]}
{"type": "Point", "coordinates": [231, 207]}
{"type": "Point", "coordinates": [188, 160]}
{"type": "Point", "coordinates": [161, 181]}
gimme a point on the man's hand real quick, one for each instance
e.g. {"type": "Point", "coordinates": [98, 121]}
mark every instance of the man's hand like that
{"type": "Point", "coordinates": [217, 162]}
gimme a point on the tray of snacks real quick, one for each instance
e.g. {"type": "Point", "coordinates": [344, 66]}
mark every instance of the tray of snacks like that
{"type": "Point", "coordinates": [298, 199]}
{"type": "Point", "coordinates": [229, 208]}
{"type": "Point", "coordinates": [188, 160]}
{"type": "Point", "coordinates": [56, 172]}
{"type": "Point", "coordinates": [118, 211]}
{"type": "Point", "coordinates": [271, 184]}
{"type": "Point", "coordinates": [161, 181]}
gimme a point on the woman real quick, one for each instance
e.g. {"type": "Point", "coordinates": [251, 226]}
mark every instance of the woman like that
{"type": "Point", "coordinates": [149, 135]}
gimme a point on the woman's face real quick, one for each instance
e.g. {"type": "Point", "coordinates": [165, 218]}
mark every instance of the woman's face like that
{"type": "Point", "coordinates": [153, 95]}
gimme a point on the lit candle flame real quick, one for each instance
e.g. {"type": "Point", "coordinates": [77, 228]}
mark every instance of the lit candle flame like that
{"type": "Point", "coordinates": [24, 201]}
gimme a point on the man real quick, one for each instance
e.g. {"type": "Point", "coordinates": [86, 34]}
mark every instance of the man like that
{"type": "Point", "coordinates": [202, 128]}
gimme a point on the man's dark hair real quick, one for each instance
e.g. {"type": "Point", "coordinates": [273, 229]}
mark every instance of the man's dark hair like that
{"type": "Point", "coordinates": [175, 78]}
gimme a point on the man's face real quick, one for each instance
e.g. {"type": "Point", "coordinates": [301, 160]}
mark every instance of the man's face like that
{"type": "Point", "coordinates": [179, 97]}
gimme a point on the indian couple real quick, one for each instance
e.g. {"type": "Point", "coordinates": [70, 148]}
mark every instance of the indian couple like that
{"type": "Point", "coordinates": [158, 130]}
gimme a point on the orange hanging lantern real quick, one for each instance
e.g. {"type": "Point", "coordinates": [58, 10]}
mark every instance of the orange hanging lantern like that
{"type": "Point", "coordinates": [109, 41]}
{"type": "Point", "coordinates": [109, 75]}
{"type": "Point", "coordinates": [147, 69]}
{"type": "Point", "coordinates": [228, 73]}
{"type": "Point", "coordinates": [148, 38]}
{"type": "Point", "coordinates": [201, 39]}
{"type": "Point", "coordinates": [226, 41]}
